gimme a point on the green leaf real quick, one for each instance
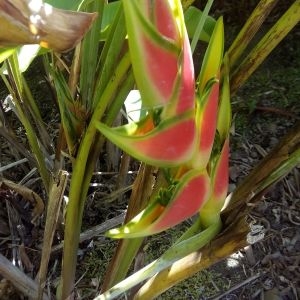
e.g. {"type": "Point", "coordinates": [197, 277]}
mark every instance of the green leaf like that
{"type": "Point", "coordinates": [68, 5]}
{"type": "Point", "coordinates": [69, 111]}
{"type": "Point", "coordinates": [109, 14]}
{"type": "Point", "coordinates": [192, 17]}
{"type": "Point", "coordinates": [213, 57]}
{"type": "Point", "coordinates": [5, 53]}
{"type": "Point", "coordinates": [224, 113]}
{"type": "Point", "coordinates": [90, 56]}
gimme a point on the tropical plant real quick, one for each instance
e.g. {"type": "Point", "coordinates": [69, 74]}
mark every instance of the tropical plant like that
{"type": "Point", "coordinates": [182, 131]}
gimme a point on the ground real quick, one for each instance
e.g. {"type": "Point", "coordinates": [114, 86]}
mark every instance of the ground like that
{"type": "Point", "coordinates": [263, 111]}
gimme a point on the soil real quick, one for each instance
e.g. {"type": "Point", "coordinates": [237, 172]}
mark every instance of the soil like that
{"type": "Point", "coordinates": [263, 111]}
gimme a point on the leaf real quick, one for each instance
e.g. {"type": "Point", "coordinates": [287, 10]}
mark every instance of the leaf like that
{"type": "Point", "coordinates": [186, 199]}
{"type": "Point", "coordinates": [224, 113]}
{"type": "Point", "coordinates": [192, 17]}
{"type": "Point", "coordinates": [67, 5]}
{"type": "Point", "coordinates": [73, 114]}
{"type": "Point", "coordinates": [213, 57]}
{"type": "Point", "coordinates": [5, 53]}
{"type": "Point", "coordinates": [26, 55]}
{"type": "Point", "coordinates": [109, 14]}
{"type": "Point", "coordinates": [133, 106]}
{"type": "Point", "coordinates": [165, 262]}
{"type": "Point", "coordinates": [27, 195]}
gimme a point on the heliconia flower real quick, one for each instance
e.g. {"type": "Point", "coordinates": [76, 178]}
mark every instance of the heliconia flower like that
{"type": "Point", "coordinates": [219, 175]}
{"type": "Point", "coordinates": [189, 195]}
{"type": "Point", "coordinates": [184, 133]}
{"type": "Point", "coordinates": [161, 55]}
{"type": "Point", "coordinates": [170, 144]}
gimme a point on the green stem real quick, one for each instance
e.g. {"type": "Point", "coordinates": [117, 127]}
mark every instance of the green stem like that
{"type": "Point", "coordinates": [196, 228]}
{"type": "Point", "coordinates": [76, 199]}
{"type": "Point", "coordinates": [176, 252]}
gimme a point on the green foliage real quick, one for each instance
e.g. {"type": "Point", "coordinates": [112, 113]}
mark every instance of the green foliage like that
{"type": "Point", "coordinates": [192, 18]}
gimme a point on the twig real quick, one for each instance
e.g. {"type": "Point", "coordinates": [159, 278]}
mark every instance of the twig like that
{"type": "Point", "coordinates": [236, 287]}
{"type": "Point", "coordinates": [55, 198]}
{"type": "Point", "coordinates": [94, 231]}
{"type": "Point", "coordinates": [278, 111]}
{"type": "Point", "coordinates": [14, 221]}
{"type": "Point", "coordinates": [22, 282]}
{"type": "Point", "coordinates": [13, 164]}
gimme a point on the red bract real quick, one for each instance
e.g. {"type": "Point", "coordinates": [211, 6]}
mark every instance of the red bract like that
{"type": "Point", "coordinates": [170, 144]}
{"type": "Point", "coordinates": [210, 212]}
{"type": "Point", "coordinates": [161, 55]}
{"type": "Point", "coordinates": [189, 195]}
{"type": "Point", "coordinates": [187, 201]}
{"type": "Point", "coordinates": [221, 174]}
{"type": "Point", "coordinates": [206, 119]}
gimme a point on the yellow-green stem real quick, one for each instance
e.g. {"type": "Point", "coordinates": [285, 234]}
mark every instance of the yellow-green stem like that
{"type": "Point", "coordinates": [173, 254]}
{"type": "Point", "coordinates": [76, 199]}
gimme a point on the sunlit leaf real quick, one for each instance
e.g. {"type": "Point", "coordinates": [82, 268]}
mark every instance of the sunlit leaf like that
{"type": "Point", "coordinates": [213, 57]}
{"type": "Point", "coordinates": [5, 53]}
{"type": "Point", "coordinates": [224, 113]}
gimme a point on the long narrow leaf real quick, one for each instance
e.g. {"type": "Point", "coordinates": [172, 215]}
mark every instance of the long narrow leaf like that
{"type": "Point", "coordinates": [213, 57]}
{"type": "Point", "coordinates": [90, 45]}
{"type": "Point", "coordinates": [269, 41]}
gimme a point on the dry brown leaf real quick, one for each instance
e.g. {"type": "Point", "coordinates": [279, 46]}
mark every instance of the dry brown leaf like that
{"type": "Point", "coordinates": [27, 194]}
{"type": "Point", "coordinates": [42, 24]}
